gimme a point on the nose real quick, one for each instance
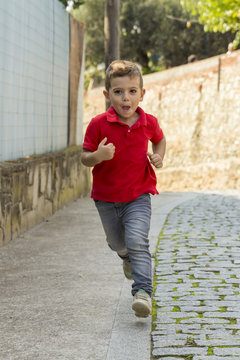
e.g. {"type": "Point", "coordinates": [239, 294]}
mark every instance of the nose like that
{"type": "Point", "coordinates": [125, 95]}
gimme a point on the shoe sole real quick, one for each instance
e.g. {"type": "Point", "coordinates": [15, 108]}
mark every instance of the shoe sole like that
{"type": "Point", "coordinates": [141, 308]}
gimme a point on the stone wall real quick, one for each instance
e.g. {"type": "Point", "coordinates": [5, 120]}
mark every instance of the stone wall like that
{"type": "Point", "coordinates": [198, 108]}
{"type": "Point", "coordinates": [33, 188]}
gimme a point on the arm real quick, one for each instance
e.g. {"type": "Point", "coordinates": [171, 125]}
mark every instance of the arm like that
{"type": "Point", "coordinates": [158, 153]}
{"type": "Point", "coordinates": [103, 152]}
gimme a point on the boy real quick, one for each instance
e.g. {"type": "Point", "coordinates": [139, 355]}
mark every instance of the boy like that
{"type": "Point", "coordinates": [116, 145]}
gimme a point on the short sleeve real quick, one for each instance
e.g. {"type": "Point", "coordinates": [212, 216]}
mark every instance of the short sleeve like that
{"type": "Point", "coordinates": [157, 134]}
{"type": "Point", "coordinates": [92, 136]}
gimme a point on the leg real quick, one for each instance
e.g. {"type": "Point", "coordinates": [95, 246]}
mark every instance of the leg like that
{"type": "Point", "coordinates": [136, 220]}
{"type": "Point", "coordinates": [113, 227]}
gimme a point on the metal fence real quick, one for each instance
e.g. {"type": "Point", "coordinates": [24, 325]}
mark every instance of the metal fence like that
{"type": "Point", "coordinates": [34, 71]}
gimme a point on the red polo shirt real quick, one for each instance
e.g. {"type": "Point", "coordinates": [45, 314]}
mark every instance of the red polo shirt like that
{"type": "Point", "coordinates": [129, 174]}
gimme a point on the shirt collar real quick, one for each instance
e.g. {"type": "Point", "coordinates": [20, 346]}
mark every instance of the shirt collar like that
{"type": "Point", "coordinates": [112, 117]}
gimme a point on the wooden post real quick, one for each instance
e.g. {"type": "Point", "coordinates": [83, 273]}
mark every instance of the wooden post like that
{"type": "Point", "coordinates": [75, 65]}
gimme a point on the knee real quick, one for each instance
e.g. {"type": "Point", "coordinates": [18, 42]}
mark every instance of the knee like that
{"type": "Point", "coordinates": [137, 242]}
{"type": "Point", "coordinates": [121, 250]}
{"type": "Point", "coordinates": [140, 247]}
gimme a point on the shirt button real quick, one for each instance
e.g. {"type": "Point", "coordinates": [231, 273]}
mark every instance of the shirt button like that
{"type": "Point", "coordinates": [129, 130]}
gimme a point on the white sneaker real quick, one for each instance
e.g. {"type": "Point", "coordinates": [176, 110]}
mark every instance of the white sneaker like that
{"type": "Point", "coordinates": [142, 304]}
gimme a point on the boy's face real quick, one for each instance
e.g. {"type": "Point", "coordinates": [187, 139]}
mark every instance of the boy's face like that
{"type": "Point", "coordinates": [125, 94]}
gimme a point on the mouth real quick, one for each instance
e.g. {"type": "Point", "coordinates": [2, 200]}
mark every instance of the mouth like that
{"type": "Point", "coordinates": [126, 108]}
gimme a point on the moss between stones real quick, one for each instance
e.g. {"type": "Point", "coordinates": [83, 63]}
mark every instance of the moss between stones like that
{"type": "Point", "coordinates": [222, 308]}
{"type": "Point", "coordinates": [190, 341]}
{"type": "Point", "coordinates": [156, 263]}
{"type": "Point", "coordinates": [210, 351]}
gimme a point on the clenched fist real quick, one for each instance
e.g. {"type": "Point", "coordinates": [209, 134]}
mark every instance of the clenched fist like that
{"type": "Point", "coordinates": [105, 152]}
{"type": "Point", "coordinates": [155, 159]}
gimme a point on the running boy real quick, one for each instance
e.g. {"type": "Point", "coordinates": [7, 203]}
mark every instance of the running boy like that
{"type": "Point", "coordinates": [116, 145]}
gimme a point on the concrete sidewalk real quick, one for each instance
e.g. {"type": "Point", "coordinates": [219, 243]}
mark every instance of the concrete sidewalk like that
{"type": "Point", "coordinates": [63, 294]}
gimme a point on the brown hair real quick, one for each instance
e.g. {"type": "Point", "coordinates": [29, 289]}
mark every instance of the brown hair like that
{"type": "Point", "coordinates": [120, 68]}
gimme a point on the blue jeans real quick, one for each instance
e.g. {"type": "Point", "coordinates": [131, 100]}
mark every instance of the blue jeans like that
{"type": "Point", "coordinates": [126, 226]}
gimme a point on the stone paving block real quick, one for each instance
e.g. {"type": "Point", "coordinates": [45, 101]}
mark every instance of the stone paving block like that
{"type": "Point", "coordinates": [184, 351]}
{"type": "Point", "coordinates": [201, 309]}
{"type": "Point", "coordinates": [205, 321]}
{"type": "Point", "coordinates": [163, 299]}
{"type": "Point", "coordinates": [232, 308]}
{"type": "Point", "coordinates": [223, 314]}
{"type": "Point", "coordinates": [226, 291]}
{"type": "Point", "coordinates": [172, 358]}
{"type": "Point", "coordinates": [227, 351]}
{"type": "Point", "coordinates": [222, 326]}
{"type": "Point", "coordinates": [232, 297]}
{"type": "Point", "coordinates": [164, 272]}
{"type": "Point", "coordinates": [164, 329]}
{"type": "Point", "coordinates": [174, 286]}
{"type": "Point", "coordinates": [201, 293]}
{"type": "Point", "coordinates": [181, 302]}
{"type": "Point", "coordinates": [173, 328]}
{"type": "Point", "coordinates": [175, 315]}
{"type": "Point", "coordinates": [232, 281]}
{"type": "Point", "coordinates": [186, 261]}
{"type": "Point", "coordinates": [213, 357]}
{"type": "Point", "coordinates": [220, 333]}
{"type": "Point", "coordinates": [204, 297]}
{"type": "Point", "coordinates": [165, 341]}
{"type": "Point", "coordinates": [180, 267]}
{"type": "Point", "coordinates": [218, 342]}
{"type": "Point", "coordinates": [210, 284]}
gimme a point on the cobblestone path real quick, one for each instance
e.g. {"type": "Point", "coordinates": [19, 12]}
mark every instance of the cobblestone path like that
{"type": "Point", "coordinates": [196, 302]}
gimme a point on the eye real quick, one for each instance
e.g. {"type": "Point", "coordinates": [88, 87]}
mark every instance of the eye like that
{"type": "Point", "coordinates": [117, 92]}
{"type": "Point", "coordinates": [133, 91]}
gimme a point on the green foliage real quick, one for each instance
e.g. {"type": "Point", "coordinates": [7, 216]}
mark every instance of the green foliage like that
{"type": "Point", "coordinates": [216, 15]}
{"type": "Point", "coordinates": [94, 75]}
{"type": "Point", "coordinates": [140, 22]}
{"type": "Point", "coordinates": [91, 13]}
{"type": "Point", "coordinates": [154, 33]}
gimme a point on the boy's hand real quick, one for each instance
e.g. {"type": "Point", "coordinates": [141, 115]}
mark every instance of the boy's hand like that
{"type": "Point", "coordinates": [155, 159]}
{"type": "Point", "coordinates": [105, 152]}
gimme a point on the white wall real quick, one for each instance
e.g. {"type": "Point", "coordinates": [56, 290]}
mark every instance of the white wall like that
{"type": "Point", "coordinates": [34, 70]}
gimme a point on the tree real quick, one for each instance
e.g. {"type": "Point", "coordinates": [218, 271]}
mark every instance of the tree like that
{"type": "Point", "coordinates": [140, 29]}
{"type": "Point", "coordinates": [217, 15]}
{"type": "Point", "coordinates": [111, 31]}
{"type": "Point", "coordinates": [111, 34]}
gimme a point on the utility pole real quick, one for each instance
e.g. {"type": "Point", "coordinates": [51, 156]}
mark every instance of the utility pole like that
{"type": "Point", "coordinates": [111, 32]}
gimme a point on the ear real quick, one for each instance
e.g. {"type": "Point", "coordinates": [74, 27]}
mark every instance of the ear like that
{"type": "Point", "coordinates": [142, 94]}
{"type": "Point", "coordinates": [106, 94]}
